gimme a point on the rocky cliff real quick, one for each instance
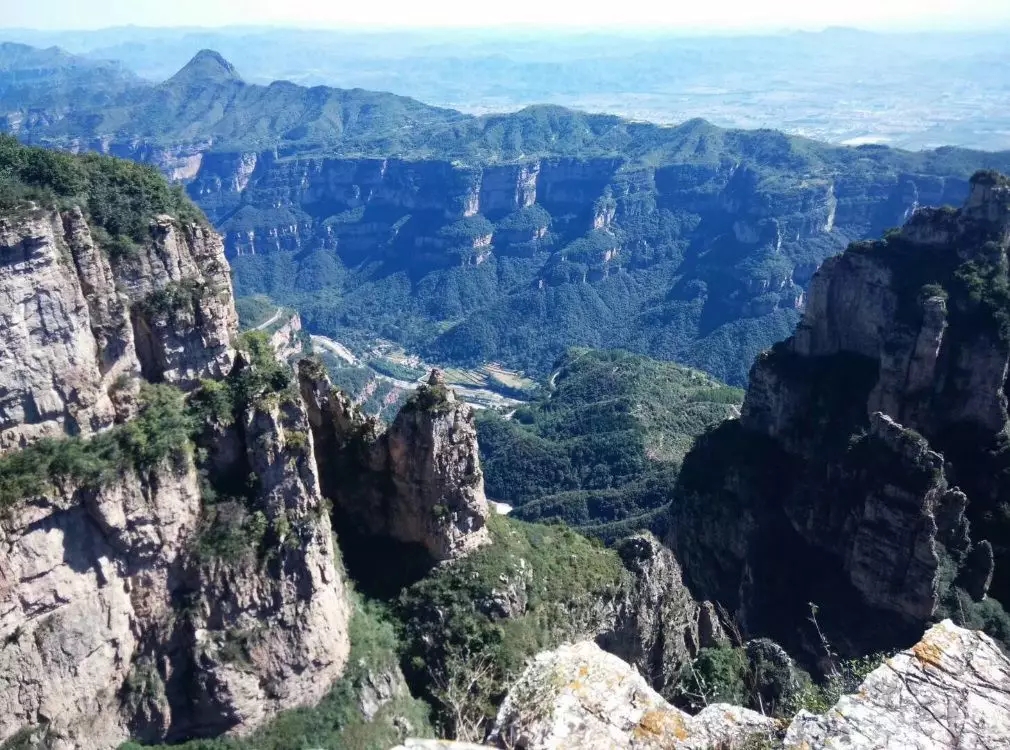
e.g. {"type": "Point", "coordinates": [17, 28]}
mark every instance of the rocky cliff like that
{"type": "Point", "coordinates": [142, 592]}
{"type": "Point", "coordinates": [865, 473]}
{"type": "Point", "coordinates": [76, 322]}
{"type": "Point", "coordinates": [531, 231]}
{"type": "Point", "coordinates": [418, 483]}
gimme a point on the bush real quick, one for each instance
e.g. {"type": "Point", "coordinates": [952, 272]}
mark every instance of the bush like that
{"type": "Point", "coordinates": [484, 616]}
{"type": "Point", "coordinates": [162, 429]}
{"type": "Point", "coordinates": [119, 196]}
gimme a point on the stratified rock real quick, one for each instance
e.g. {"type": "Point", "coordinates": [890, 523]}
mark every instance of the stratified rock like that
{"type": "Point", "coordinates": [424, 484]}
{"type": "Point", "coordinates": [582, 698]}
{"type": "Point", "coordinates": [952, 689]}
{"type": "Point", "coordinates": [73, 322]}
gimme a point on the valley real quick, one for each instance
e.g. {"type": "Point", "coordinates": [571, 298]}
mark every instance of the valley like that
{"type": "Point", "coordinates": [335, 420]}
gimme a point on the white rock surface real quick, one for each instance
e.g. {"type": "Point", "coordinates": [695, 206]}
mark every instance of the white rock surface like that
{"type": "Point", "coordinates": [950, 690]}
{"type": "Point", "coordinates": [579, 697]}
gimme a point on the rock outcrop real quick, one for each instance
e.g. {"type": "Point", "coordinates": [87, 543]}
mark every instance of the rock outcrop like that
{"type": "Point", "coordinates": [582, 698]}
{"type": "Point", "coordinates": [75, 322]}
{"type": "Point", "coordinates": [869, 443]}
{"type": "Point", "coordinates": [658, 626]}
{"type": "Point", "coordinates": [951, 689]}
{"type": "Point", "coordinates": [121, 613]}
{"type": "Point", "coordinates": [269, 632]}
{"type": "Point", "coordinates": [423, 484]}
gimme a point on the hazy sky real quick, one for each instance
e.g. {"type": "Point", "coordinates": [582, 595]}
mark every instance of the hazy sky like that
{"type": "Point", "coordinates": [684, 14]}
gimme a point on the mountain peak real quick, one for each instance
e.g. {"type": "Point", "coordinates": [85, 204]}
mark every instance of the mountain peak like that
{"type": "Point", "coordinates": [207, 66]}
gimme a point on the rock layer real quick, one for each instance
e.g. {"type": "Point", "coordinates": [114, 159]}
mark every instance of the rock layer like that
{"type": "Point", "coordinates": [74, 322]}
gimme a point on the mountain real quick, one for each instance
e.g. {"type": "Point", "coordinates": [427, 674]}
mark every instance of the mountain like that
{"type": "Point", "coordinates": [170, 491]}
{"type": "Point", "coordinates": [206, 67]}
{"type": "Point", "coordinates": [866, 477]}
{"type": "Point", "coordinates": [910, 90]}
{"type": "Point", "coordinates": [511, 237]}
{"type": "Point", "coordinates": [51, 79]}
{"type": "Point", "coordinates": [602, 449]}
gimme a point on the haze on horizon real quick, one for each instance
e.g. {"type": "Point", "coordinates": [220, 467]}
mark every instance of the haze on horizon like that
{"type": "Point", "coordinates": [721, 15]}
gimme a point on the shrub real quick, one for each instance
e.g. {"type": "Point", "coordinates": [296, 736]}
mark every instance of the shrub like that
{"type": "Point", "coordinates": [119, 196]}
{"type": "Point", "coordinates": [162, 429]}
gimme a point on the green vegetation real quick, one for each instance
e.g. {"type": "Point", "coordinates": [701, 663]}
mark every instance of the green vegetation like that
{"type": "Point", "coordinates": [604, 445]}
{"type": "Point", "coordinates": [337, 723]}
{"type": "Point", "coordinates": [395, 369]}
{"type": "Point", "coordinates": [257, 377]}
{"type": "Point", "coordinates": [121, 197]}
{"type": "Point", "coordinates": [732, 675]}
{"type": "Point", "coordinates": [254, 310]}
{"type": "Point", "coordinates": [483, 616]}
{"type": "Point", "coordinates": [234, 526]}
{"type": "Point", "coordinates": [160, 431]}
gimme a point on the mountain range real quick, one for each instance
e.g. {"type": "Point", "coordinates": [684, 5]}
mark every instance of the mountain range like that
{"type": "Point", "coordinates": [205, 544]}
{"type": "Point", "coordinates": [501, 237]}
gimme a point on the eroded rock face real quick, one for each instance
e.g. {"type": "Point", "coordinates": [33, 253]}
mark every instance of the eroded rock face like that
{"type": "Point", "coordinates": [115, 625]}
{"type": "Point", "coordinates": [658, 626]}
{"type": "Point", "coordinates": [85, 580]}
{"type": "Point", "coordinates": [430, 452]}
{"type": "Point", "coordinates": [423, 483]}
{"type": "Point", "coordinates": [952, 689]}
{"type": "Point", "coordinates": [868, 442]}
{"type": "Point", "coordinates": [117, 620]}
{"type": "Point", "coordinates": [73, 322]}
{"type": "Point", "coordinates": [270, 634]}
{"type": "Point", "coordinates": [579, 697]}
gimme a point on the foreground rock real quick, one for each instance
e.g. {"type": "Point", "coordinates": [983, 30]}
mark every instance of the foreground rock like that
{"type": "Point", "coordinates": [581, 698]}
{"type": "Point", "coordinates": [950, 690]}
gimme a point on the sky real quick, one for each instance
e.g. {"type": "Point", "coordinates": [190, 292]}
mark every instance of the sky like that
{"type": "Point", "coordinates": [687, 15]}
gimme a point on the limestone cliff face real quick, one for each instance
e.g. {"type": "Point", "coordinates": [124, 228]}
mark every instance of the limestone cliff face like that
{"type": "Point", "coordinates": [74, 322]}
{"type": "Point", "coordinates": [270, 632]}
{"type": "Point", "coordinates": [85, 582]}
{"type": "Point", "coordinates": [419, 483]}
{"type": "Point", "coordinates": [868, 442]}
{"type": "Point", "coordinates": [119, 617]}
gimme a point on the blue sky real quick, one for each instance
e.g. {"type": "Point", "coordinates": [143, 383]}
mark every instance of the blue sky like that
{"type": "Point", "coordinates": [680, 14]}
